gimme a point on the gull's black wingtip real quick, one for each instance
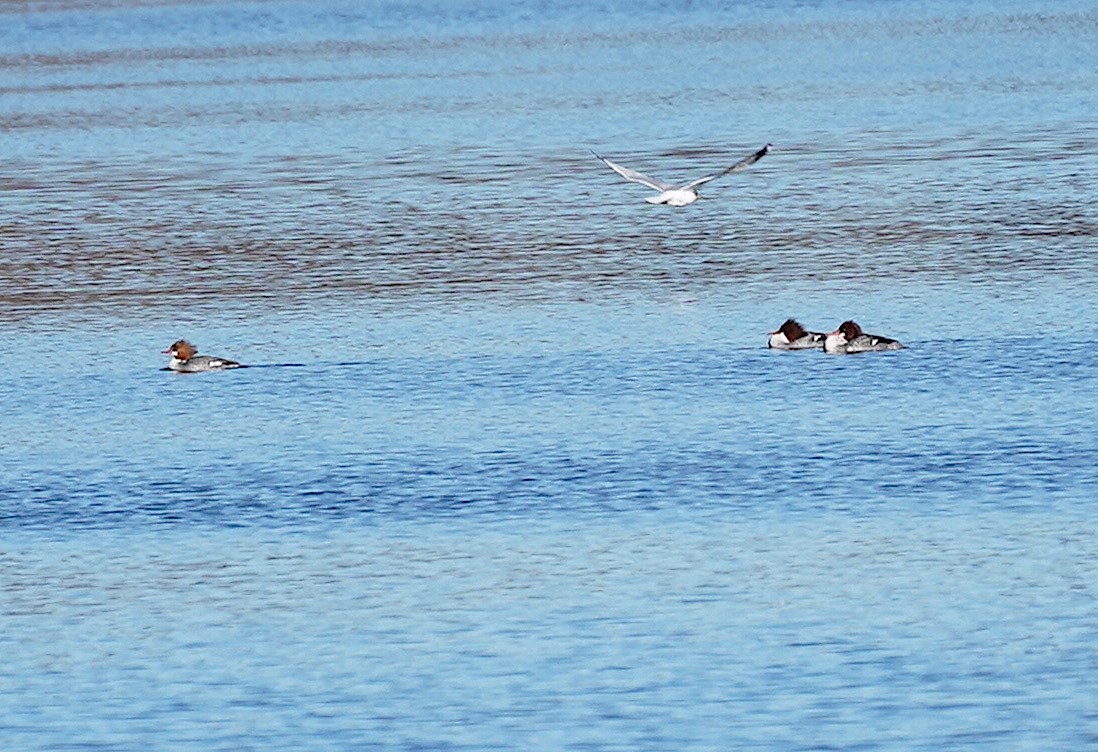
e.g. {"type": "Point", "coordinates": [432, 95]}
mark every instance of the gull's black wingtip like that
{"type": "Point", "coordinates": [761, 153]}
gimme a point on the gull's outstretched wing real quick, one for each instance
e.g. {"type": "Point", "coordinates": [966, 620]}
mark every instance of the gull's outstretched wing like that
{"type": "Point", "coordinates": [743, 164]}
{"type": "Point", "coordinates": [636, 177]}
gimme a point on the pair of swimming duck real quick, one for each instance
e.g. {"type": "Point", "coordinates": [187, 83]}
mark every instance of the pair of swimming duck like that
{"type": "Point", "coordinates": [848, 338]}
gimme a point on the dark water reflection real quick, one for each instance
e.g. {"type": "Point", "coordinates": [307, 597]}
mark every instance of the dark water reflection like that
{"type": "Point", "coordinates": [137, 235]}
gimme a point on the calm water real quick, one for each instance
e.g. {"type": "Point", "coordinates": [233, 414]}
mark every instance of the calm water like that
{"type": "Point", "coordinates": [513, 467]}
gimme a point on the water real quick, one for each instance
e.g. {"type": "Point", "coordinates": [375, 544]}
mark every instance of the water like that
{"type": "Point", "coordinates": [513, 467]}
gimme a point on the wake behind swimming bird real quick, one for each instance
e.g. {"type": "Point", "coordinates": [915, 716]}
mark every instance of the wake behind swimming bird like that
{"type": "Point", "coordinates": [687, 193]}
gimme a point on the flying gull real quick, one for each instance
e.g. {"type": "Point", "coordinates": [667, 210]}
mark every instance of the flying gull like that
{"type": "Point", "coordinates": [686, 193]}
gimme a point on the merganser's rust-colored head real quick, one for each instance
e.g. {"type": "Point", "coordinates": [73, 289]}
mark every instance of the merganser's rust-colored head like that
{"type": "Point", "coordinates": [792, 330]}
{"type": "Point", "coordinates": [182, 350]}
{"type": "Point", "coordinates": [849, 330]}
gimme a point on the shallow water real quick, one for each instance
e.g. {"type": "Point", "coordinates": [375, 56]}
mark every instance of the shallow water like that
{"type": "Point", "coordinates": [511, 466]}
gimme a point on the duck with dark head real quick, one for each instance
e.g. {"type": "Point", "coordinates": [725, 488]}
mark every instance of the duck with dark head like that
{"type": "Point", "coordinates": [792, 336]}
{"type": "Point", "coordinates": [185, 359]}
{"type": "Point", "coordinates": [849, 338]}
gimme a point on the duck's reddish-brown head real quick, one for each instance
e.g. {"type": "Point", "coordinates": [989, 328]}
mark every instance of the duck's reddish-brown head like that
{"type": "Point", "coordinates": [792, 329]}
{"type": "Point", "coordinates": [848, 329]}
{"type": "Point", "coordinates": [182, 350]}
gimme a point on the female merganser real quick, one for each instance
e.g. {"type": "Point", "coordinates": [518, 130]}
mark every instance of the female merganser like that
{"type": "Point", "coordinates": [849, 338]}
{"type": "Point", "coordinates": [792, 336]}
{"type": "Point", "coordinates": [185, 358]}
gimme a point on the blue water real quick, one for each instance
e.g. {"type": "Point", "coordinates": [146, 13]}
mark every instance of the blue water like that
{"type": "Point", "coordinates": [512, 467]}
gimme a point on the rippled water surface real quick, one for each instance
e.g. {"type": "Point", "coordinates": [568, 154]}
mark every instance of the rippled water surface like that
{"type": "Point", "coordinates": [512, 467]}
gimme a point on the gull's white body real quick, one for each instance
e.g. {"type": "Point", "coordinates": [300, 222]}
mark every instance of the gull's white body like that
{"type": "Point", "coordinates": [684, 194]}
{"type": "Point", "coordinates": [680, 197]}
